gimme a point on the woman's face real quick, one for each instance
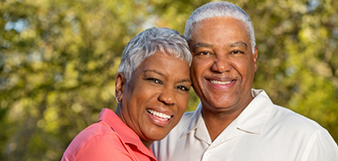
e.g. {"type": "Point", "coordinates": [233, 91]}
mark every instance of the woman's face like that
{"type": "Point", "coordinates": [156, 96]}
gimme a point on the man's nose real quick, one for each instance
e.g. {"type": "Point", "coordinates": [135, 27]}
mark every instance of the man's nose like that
{"type": "Point", "coordinates": [221, 64]}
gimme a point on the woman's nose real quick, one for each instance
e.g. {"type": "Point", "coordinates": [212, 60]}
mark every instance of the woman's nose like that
{"type": "Point", "coordinates": [167, 96]}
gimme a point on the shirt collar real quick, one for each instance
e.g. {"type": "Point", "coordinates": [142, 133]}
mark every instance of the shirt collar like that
{"type": "Point", "coordinates": [194, 121]}
{"type": "Point", "coordinates": [126, 133]}
{"type": "Point", "coordinates": [251, 120]}
{"type": "Point", "coordinates": [255, 115]}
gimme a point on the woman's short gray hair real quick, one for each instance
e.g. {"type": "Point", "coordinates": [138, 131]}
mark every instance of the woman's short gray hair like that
{"type": "Point", "coordinates": [220, 9]}
{"type": "Point", "coordinates": [150, 41]}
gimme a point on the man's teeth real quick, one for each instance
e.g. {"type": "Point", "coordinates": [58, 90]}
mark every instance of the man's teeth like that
{"type": "Point", "coordinates": [158, 114]}
{"type": "Point", "coordinates": [219, 82]}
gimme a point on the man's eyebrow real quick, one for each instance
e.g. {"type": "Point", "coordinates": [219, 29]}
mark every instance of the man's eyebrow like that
{"type": "Point", "coordinates": [240, 43]}
{"type": "Point", "coordinates": [200, 44]}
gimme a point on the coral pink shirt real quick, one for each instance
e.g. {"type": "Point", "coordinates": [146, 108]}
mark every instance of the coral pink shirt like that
{"type": "Point", "coordinates": [107, 140]}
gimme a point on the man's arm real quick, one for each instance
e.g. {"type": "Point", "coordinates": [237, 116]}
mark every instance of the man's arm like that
{"type": "Point", "coordinates": [321, 146]}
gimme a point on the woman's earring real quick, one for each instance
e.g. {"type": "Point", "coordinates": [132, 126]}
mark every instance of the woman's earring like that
{"type": "Point", "coordinates": [117, 100]}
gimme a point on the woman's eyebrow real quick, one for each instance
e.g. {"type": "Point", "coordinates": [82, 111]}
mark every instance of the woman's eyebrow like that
{"type": "Point", "coordinates": [153, 70]}
{"type": "Point", "coordinates": [185, 80]}
{"type": "Point", "coordinates": [159, 73]}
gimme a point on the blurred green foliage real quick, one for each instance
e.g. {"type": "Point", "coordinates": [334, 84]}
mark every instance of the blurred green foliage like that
{"type": "Point", "coordinates": [58, 61]}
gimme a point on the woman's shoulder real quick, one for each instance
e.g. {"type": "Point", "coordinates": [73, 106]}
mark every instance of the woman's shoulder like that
{"type": "Point", "coordinates": [96, 140]}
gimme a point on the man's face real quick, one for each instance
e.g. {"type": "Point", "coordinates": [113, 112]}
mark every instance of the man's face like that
{"type": "Point", "coordinates": [223, 65]}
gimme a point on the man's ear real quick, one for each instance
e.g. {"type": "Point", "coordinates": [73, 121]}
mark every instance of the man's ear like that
{"type": "Point", "coordinates": [120, 83]}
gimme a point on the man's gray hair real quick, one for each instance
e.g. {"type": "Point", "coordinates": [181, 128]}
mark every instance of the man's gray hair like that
{"type": "Point", "coordinates": [150, 41]}
{"type": "Point", "coordinates": [220, 9]}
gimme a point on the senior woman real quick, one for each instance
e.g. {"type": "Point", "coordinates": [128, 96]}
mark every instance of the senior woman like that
{"type": "Point", "coordinates": [152, 90]}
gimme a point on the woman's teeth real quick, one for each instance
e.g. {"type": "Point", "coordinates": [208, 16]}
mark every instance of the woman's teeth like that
{"type": "Point", "coordinates": [158, 114]}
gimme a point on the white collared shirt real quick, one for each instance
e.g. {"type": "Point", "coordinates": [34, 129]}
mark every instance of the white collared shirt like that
{"type": "Point", "coordinates": [262, 132]}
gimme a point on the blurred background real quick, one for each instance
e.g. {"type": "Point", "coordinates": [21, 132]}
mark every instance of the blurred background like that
{"type": "Point", "coordinates": [58, 60]}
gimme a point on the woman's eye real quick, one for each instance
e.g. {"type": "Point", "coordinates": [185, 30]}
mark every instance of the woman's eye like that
{"type": "Point", "coordinates": [155, 80]}
{"type": "Point", "coordinates": [183, 88]}
{"type": "Point", "coordinates": [203, 53]}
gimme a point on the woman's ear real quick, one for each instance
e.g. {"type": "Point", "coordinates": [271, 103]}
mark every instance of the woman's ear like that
{"type": "Point", "coordinates": [120, 83]}
{"type": "Point", "coordinates": [255, 55]}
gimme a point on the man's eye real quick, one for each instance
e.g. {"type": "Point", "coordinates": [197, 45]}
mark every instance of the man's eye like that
{"type": "Point", "coordinates": [237, 52]}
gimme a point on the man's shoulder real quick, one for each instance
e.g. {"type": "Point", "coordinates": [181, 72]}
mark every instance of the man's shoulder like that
{"type": "Point", "coordinates": [283, 117]}
{"type": "Point", "coordinates": [184, 122]}
{"type": "Point", "coordinates": [172, 141]}
{"type": "Point", "coordinates": [182, 127]}
{"type": "Point", "coordinates": [287, 118]}
{"type": "Point", "coordinates": [187, 116]}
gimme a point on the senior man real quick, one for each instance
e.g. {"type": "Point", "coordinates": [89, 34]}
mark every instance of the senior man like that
{"type": "Point", "coordinates": [234, 122]}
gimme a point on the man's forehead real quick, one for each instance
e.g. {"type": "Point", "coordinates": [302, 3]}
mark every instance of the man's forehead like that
{"type": "Point", "coordinates": [226, 22]}
{"type": "Point", "coordinates": [212, 28]}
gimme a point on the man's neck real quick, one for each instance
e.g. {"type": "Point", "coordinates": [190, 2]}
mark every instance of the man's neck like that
{"type": "Point", "coordinates": [217, 122]}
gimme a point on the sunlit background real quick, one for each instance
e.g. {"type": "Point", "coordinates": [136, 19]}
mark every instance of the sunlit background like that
{"type": "Point", "coordinates": [58, 60]}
